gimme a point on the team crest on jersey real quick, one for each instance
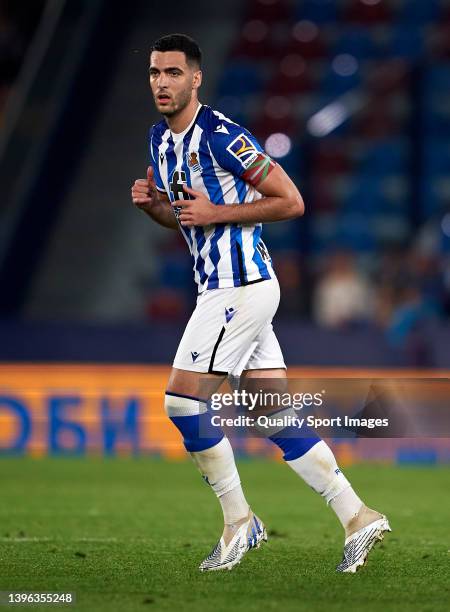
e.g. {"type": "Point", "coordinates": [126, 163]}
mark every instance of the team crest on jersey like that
{"type": "Point", "coordinates": [243, 149]}
{"type": "Point", "coordinates": [192, 161]}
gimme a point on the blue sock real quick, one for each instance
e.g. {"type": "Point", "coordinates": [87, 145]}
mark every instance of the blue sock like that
{"type": "Point", "coordinates": [292, 445]}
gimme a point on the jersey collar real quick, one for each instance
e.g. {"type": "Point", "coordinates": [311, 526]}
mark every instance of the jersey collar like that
{"type": "Point", "coordinates": [180, 135]}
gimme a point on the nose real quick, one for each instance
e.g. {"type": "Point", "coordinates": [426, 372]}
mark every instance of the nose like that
{"type": "Point", "coordinates": [162, 80]}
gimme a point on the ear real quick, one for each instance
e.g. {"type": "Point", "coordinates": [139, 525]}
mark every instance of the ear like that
{"type": "Point", "coordinates": [197, 80]}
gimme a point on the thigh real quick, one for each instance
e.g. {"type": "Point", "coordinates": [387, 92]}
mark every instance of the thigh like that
{"type": "Point", "coordinates": [224, 327]}
{"type": "Point", "coordinates": [265, 370]}
{"type": "Point", "coordinates": [273, 379]}
{"type": "Point", "coordinates": [193, 384]}
{"type": "Point", "coordinates": [266, 354]}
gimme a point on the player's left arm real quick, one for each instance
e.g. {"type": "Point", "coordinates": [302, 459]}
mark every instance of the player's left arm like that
{"type": "Point", "coordinates": [281, 200]}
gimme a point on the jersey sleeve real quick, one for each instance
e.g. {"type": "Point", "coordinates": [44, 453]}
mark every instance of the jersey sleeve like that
{"type": "Point", "coordinates": [153, 150]}
{"type": "Point", "coordinates": [238, 151]}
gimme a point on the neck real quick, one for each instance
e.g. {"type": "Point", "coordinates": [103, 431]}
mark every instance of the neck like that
{"type": "Point", "coordinates": [179, 122]}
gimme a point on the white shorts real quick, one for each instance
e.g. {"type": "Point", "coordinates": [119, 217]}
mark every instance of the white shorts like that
{"type": "Point", "coordinates": [231, 330]}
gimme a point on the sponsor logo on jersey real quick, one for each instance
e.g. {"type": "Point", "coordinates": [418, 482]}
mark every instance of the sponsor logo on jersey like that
{"type": "Point", "coordinates": [176, 190]}
{"type": "Point", "coordinates": [192, 161]}
{"type": "Point", "coordinates": [194, 355]}
{"type": "Point", "coordinates": [243, 150]}
{"type": "Point", "coordinates": [262, 250]}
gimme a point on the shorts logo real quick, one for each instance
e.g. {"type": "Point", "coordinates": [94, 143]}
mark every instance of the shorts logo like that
{"type": "Point", "coordinates": [229, 314]}
{"type": "Point", "coordinates": [243, 149]}
{"type": "Point", "coordinates": [194, 355]}
{"type": "Point", "coordinates": [192, 161]}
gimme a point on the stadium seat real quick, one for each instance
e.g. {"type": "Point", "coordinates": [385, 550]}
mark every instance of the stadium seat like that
{"type": "Point", "coordinates": [435, 194]}
{"type": "Point", "coordinates": [436, 159]}
{"type": "Point", "coordinates": [359, 188]}
{"type": "Point", "coordinates": [436, 105]}
{"type": "Point", "coordinates": [437, 78]}
{"type": "Point", "coordinates": [264, 126]}
{"type": "Point", "coordinates": [358, 11]}
{"type": "Point", "coordinates": [241, 78]}
{"type": "Point", "coordinates": [356, 232]}
{"type": "Point", "coordinates": [436, 115]}
{"type": "Point", "coordinates": [352, 231]}
{"type": "Point", "coordinates": [381, 157]}
{"type": "Point", "coordinates": [331, 156]}
{"type": "Point", "coordinates": [281, 236]}
{"type": "Point", "coordinates": [317, 11]}
{"type": "Point", "coordinates": [256, 41]}
{"type": "Point", "coordinates": [389, 76]}
{"type": "Point", "coordinates": [419, 12]}
{"type": "Point", "coordinates": [406, 42]}
{"type": "Point", "coordinates": [368, 194]}
{"type": "Point", "coordinates": [323, 196]}
{"type": "Point", "coordinates": [277, 116]}
{"type": "Point", "coordinates": [291, 77]}
{"type": "Point", "coordinates": [233, 107]}
{"type": "Point", "coordinates": [335, 84]}
{"type": "Point", "coordinates": [269, 11]}
{"type": "Point", "coordinates": [376, 122]}
{"type": "Point", "coordinates": [293, 162]}
{"type": "Point", "coordinates": [167, 304]}
{"type": "Point", "coordinates": [440, 43]}
{"type": "Point", "coordinates": [358, 42]}
{"type": "Point", "coordinates": [306, 40]}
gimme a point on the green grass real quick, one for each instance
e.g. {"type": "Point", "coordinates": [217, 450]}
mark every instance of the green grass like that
{"type": "Point", "coordinates": [129, 534]}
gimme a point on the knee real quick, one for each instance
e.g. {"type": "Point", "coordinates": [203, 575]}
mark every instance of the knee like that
{"type": "Point", "coordinates": [178, 405]}
{"type": "Point", "coordinates": [191, 417]}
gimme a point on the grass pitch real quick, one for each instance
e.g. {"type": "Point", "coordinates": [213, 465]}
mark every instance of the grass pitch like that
{"type": "Point", "coordinates": [128, 535]}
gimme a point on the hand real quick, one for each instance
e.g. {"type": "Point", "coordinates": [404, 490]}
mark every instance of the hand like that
{"type": "Point", "coordinates": [143, 192]}
{"type": "Point", "coordinates": [198, 211]}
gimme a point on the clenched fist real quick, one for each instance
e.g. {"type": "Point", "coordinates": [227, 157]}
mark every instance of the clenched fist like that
{"type": "Point", "coordinates": [196, 211]}
{"type": "Point", "coordinates": [143, 192]}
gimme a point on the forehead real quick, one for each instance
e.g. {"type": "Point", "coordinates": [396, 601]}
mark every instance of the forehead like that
{"type": "Point", "coordinates": [166, 59]}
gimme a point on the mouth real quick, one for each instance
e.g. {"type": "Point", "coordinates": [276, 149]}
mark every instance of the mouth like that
{"type": "Point", "coordinates": [163, 98]}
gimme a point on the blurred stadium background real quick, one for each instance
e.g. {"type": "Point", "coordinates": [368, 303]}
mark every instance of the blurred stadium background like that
{"type": "Point", "coordinates": [352, 97]}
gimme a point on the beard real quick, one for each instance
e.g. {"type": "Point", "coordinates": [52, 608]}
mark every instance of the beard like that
{"type": "Point", "coordinates": [179, 104]}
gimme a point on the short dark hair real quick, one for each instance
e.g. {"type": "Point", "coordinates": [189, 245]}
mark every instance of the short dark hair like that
{"type": "Point", "coordinates": [179, 42]}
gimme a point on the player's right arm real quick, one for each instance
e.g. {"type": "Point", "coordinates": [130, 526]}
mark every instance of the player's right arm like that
{"type": "Point", "coordinates": [153, 202]}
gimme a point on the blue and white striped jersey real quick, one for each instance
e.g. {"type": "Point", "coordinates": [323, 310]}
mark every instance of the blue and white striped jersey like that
{"type": "Point", "coordinates": [211, 155]}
